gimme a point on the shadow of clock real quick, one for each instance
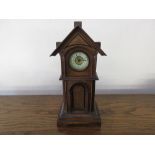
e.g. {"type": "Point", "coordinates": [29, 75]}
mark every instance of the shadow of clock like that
{"type": "Point", "coordinates": [75, 130]}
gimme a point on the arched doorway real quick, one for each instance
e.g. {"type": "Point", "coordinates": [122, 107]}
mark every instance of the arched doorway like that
{"type": "Point", "coordinates": [78, 97]}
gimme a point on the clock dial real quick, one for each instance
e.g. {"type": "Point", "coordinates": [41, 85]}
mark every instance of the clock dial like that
{"type": "Point", "coordinates": [79, 61]}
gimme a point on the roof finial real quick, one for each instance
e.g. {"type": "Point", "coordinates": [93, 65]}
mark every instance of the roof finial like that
{"type": "Point", "coordinates": [78, 23]}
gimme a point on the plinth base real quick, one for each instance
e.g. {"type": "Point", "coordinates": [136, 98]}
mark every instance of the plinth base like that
{"type": "Point", "coordinates": [78, 118]}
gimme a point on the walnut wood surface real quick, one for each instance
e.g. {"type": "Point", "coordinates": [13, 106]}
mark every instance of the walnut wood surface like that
{"type": "Point", "coordinates": [120, 114]}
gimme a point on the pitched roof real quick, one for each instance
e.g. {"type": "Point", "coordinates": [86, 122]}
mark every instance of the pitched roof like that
{"type": "Point", "coordinates": [77, 29]}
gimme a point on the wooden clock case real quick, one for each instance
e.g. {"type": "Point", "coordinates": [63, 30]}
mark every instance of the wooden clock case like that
{"type": "Point", "coordinates": [79, 107]}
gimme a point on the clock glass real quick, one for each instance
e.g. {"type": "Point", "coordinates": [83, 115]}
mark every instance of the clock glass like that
{"type": "Point", "coordinates": [79, 61]}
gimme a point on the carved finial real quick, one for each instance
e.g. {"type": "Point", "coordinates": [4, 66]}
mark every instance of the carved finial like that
{"type": "Point", "coordinates": [78, 23]}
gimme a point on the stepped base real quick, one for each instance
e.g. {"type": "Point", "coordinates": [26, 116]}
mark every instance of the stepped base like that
{"type": "Point", "coordinates": [79, 119]}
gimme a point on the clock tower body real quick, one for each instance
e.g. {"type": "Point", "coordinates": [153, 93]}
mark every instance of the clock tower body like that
{"type": "Point", "coordinates": [79, 106]}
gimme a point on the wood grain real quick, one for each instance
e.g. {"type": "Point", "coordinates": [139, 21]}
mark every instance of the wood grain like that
{"type": "Point", "coordinates": [121, 114]}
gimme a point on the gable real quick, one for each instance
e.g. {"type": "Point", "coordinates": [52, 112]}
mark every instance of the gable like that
{"type": "Point", "coordinates": [78, 40]}
{"type": "Point", "coordinates": [78, 36]}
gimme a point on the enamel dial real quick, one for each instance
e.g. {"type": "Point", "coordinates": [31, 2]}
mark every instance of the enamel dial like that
{"type": "Point", "coordinates": [79, 61]}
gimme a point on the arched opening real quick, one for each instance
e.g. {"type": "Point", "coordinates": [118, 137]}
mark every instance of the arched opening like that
{"type": "Point", "coordinates": [78, 97]}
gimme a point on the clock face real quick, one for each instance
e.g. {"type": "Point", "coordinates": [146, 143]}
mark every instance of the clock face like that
{"type": "Point", "coordinates": [79, 61]}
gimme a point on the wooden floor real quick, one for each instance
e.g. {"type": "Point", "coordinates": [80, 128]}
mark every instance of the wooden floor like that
{"type": "Point", "coordinates": [121, 114]}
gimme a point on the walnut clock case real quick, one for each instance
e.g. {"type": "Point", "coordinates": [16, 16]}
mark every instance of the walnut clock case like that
{"type": "Point", "coordinates": [78, 53]}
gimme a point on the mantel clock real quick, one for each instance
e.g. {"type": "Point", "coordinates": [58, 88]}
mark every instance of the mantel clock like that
{"type": "Point", "coordinates": [78, 53]}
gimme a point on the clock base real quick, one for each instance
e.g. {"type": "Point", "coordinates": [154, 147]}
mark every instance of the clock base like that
{"type": "Point", "coordinates": [79, 119]}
